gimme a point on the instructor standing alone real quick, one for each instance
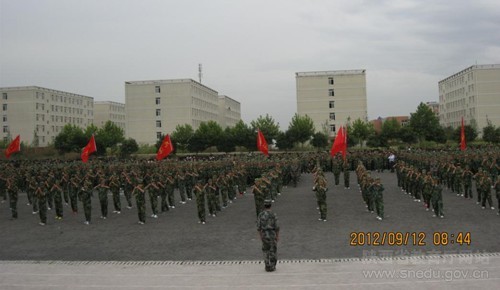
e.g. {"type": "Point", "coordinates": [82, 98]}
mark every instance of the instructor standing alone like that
{"type": "Point", "coordinates": [268, 228]}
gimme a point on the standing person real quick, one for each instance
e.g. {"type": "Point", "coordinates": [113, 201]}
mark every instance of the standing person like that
{"type": "Point", "coordinates": [102, 190]}
{"type": "Point", "coordinates": [336, 168]}
{"type": "Point", "coordinates": [199, 191]}
{"type": "Point", "coordinates": [114, 187]}
{"type": "Point", "coordinates": [169, 189]}
{"type": "Point", "coordinates": [259, 196]}
{"type": "Point", "coordinates": [13, 196]}
{"type": "Point", "coordinates": [212, 203]}
{"type": "Point", "coordinates": [376, 190]}
{"type": "Point", "coordinates": [346, 175]}
{"type": "Point", "coordinates": [140, 199]}
{"type": "Point", "coordinates": [321, 189]}
{"type": "Point", "coordinates": [153, 190]}
{"type": "Point", "coordinates": [497, 191]}
{"type": "Point", "coordinates": [41, 197]}
{"type": "Point", "coordinates": [467, 179]}
{"type": "Point", "coordinates": [392, 161]}
{"type": "Point", "coordinates": [56, 193]}
{"type": "Point", "coordinates": [437, 199]}
{"type": "Point", "coordinates": [86, 196]}
{"type": "Point", "coordinates": [181, 184]}
{"type": "Point", "coordinates": [268, 228]}
{"type": "Point", "coordinates": [486, 192]}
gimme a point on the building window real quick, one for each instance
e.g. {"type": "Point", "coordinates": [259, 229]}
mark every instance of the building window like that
{"type": "Point", "coordinates": [157, 89]}
{"type": "Point", "coordinates": [4, 107]}
{"type": "Point", "coordinates": [330, 81]}
{"type": "Point", "coordinates": [331, 93]}
{"type": "Point", "coordinates": [158, 112]}
{"type": "Point", "coordinates": [332, 116]}
{"type": "Point", "coordinates": [6, 129]}
{"type": "Point", "coordinates": [158, 124]}
{"type": "Point", "coordinates": [158, 135]}
{"type": "Point", "coordinates": [4, 96]}
{"type": "Point", "coordinates": [157, 100]}
{"type": "Point", "coordinates": [331, 104]}
{"type": "Point", "coordinates": [5, 118]}
{"type": "Point", "coordinates": [332, 128]}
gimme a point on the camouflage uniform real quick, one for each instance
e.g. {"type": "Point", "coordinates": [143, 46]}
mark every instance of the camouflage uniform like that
{"type": "Point", "coordinates": [268, 228]}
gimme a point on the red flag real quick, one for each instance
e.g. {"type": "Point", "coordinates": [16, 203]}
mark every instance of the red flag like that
{"type": "Point", "coordinates": [166, 148]}
{"type": "Point", "coordinates": [89, 149]}
{"type": "Point", "coordinates": [462, 136]}
{"type": "Point", "coordinates": [261, 143]}
{"type": "Point", "coordinates": [14, 146]}
{"type": "Point", "coordinates": [340, 143]}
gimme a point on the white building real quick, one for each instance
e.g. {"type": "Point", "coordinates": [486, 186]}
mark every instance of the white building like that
{"type": "Point", "coordinates": [229, 111]}
{"type": "Point", "coordinates": [332, 98]}
{"type": "Point", "coordinates": [109, 111]}
{"type": "Point", "coordinates": [157, 107]}
{"type": "Point", "coordinates": [39, 114]}
{"type": "Point", "coordinates": [474, 94]}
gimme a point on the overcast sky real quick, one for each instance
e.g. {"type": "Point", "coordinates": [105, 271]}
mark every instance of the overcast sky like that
{"type": "Point", "coordinates": [250, 50]}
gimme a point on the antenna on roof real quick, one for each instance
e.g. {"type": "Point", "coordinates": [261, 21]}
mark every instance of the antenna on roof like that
{"type": "Point", "coordinates": [200, 74]}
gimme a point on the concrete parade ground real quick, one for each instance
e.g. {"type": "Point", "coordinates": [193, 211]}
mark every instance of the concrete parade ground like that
{"type": "Point", "coordinates": [174, 251]}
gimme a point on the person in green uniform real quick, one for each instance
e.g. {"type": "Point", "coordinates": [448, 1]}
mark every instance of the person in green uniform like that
{"type": "Point", "coordinates": [199, 191]}
{"type": "Point", "coordinates": [102, 190]}
{"type": "Point", "coordinates": [114, 187]}
{"type": "Point", "coordinates": [12, 190]}
{"type": "Point", "coordinates": [320, 188]}
{"type": "Point", "coordinates": [346, 175]}
{"type": "Point", "coordinates": [140, 198]}
{"type": "Point", "coordinates": [377, 191]}
{"type": "Point", "coordinates": [437, 199]}
{"type": "Point", "coordinates": [269, 229]}
{"type": "Point", "coordinates": [86, 196]}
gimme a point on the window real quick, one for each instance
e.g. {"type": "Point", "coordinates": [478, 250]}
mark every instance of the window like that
{"type": "Point", "coordinates": [5, 118]}
{"type": "Point", "coordinates": [332, 128]}
{"type": "Point", "coordinates": [332, 116]}
{"type": "Point", "coordinates": [331, 93]}
{"type": "Point", "coordinates": [158, 135]}
{"type": "Point", "coordinates": [158, 124]}
{"type": "Point", "coordinates": [157, 89]}
{"type": "Point", "coordinates": [158, 112]}
{"type": "Point", "coordinates": [6, 129]}
{"type": "Point", "coordinates": [4, 107]}
{"type": "Point", "coordinates": [4, 96]}
{"type": "Point", "coordinates": [330, 81]}
{"type": "Point", "coordinates": [331, 104]}
{"type": "Point", "coordinates": [157, 100]}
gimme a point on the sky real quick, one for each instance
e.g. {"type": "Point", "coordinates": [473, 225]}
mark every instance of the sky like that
{"type": "Point", "coordinates": [250, 50]}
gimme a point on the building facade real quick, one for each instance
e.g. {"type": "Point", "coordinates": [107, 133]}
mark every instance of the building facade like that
{"type": "Point", "coordinates": [229, 111]}
{"type": "Point", "coordinates": [379, 122]}
{"type": "Point", "coordinates": [332, 98]}
{"type": "Point", "coordinates": [157, 107]}
{"type": "Point", "coordinates": [109, 111]}
{"type": "Point", "coordinates": [39, 114]}
{"type": "Point", "coordinates": [474, 94]}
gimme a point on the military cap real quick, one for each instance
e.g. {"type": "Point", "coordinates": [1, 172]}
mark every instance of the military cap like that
{"type": "Point", "coordinates": [268, 202]}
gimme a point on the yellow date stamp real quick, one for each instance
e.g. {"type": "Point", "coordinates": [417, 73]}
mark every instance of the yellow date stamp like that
{"type": "Point", "coordinates": [408, 238]}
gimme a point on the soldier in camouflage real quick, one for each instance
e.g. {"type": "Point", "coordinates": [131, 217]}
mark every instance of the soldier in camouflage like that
{"type": "Point", "coordinates": [268, 228]}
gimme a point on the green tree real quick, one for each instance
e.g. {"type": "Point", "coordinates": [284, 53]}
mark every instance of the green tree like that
{"type": "Point", "coordinates": [407, 135]}
{"type": "Point", "coordinates": [360, 131]}
{"type": "Point", "coordinates": [108, 136]}
{"type": "Point", "coordinates": [491, 134]}
{"type": "Point", "coordinates": [377, 140]}
{"type": "Point", "coordinates": [244, 136]}
{"type": "Point", "coordinates": [267, 126]}
{"type": "Point", "coordinates": [390, 129]}
{"type": "Point", "coordinates": [226, 142]}
{"type": "Point", "coordinates": [319, 140]}
{"type": "Point", "coordinates": [284, 141]}
{"type": "Point", "coordinates": [470, 134]}
{"type": "Point", "coordinates": [70, 139]}
{"type": "Point", "coordinates": [301, 128]}
{"type": "Point", "coordinates": [181, 137]}
{"type": "Point", "coordinates": [425, 124]}
{"type": "Point", "coordinates": [128, 147]}
{"type": "Point", "coordinates": [207, 135]}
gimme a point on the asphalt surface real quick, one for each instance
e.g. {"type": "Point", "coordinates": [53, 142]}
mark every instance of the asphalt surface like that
{"type": "Point", "coordinates": [231, 236]}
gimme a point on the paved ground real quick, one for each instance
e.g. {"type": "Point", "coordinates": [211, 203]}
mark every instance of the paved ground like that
{"type": "Point", "coordinates": [174, 251]}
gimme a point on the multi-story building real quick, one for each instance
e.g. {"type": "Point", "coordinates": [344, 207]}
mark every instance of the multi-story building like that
{"type": "Point", "coordinates": [229, 111]}
{"type": "Point", "coordinates": [157, 107]}
{"type": "Point", "coordinates": [379, 122]}
{"type": "Point", "coordinates": [332, 98]}
{"type": "Point", "coordinates": [39, 114]}
{"type": "Point", "coordinates": [434, 106]}
{"type": "Point", "coordinates": [109, 111]}
{"type": "Point", "coordinates": [474, 94]}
